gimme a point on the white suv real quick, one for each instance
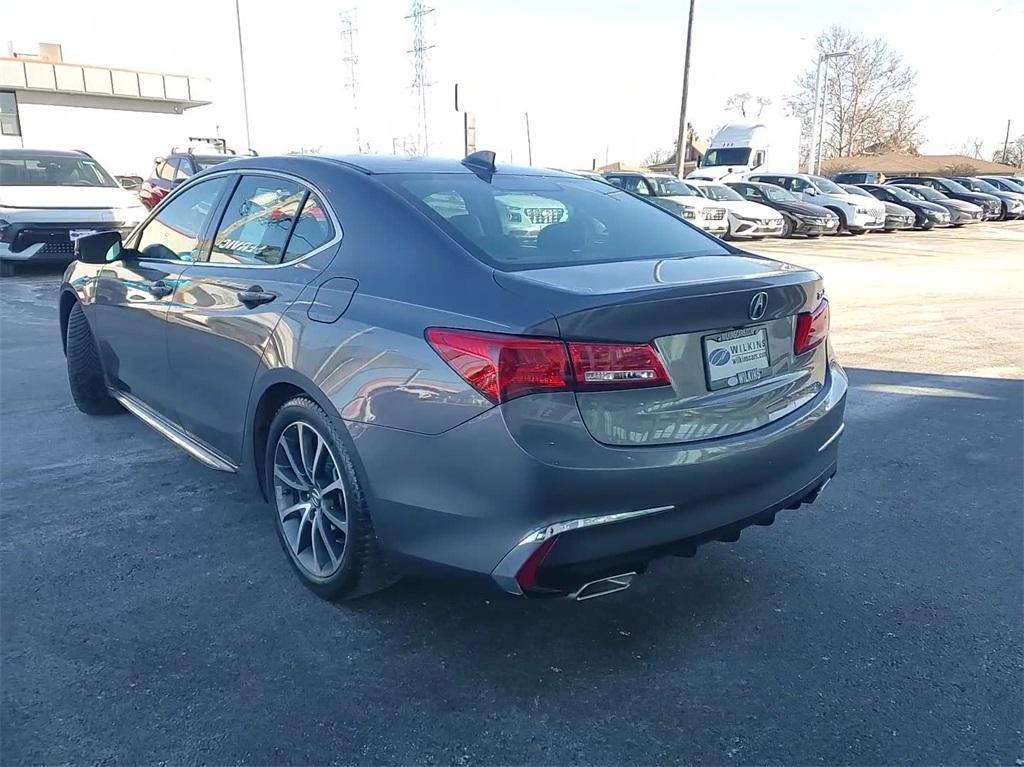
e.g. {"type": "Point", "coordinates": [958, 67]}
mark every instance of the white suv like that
{"type": "Point", "coordinates": [856, 214]}
{"type": "Point", "coordinates": [50, 198]}
{"type": "Point", "coordinates": [673, 195]}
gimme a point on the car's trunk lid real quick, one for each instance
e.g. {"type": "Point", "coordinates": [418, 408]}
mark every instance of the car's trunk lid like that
{"type": "Point", "coordinates": [688, 307]}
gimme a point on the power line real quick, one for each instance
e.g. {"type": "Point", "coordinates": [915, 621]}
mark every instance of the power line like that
{"type": "Point", "coordinates": [417, 10]}
{"type": "Point", "coordinates": [348, 42]}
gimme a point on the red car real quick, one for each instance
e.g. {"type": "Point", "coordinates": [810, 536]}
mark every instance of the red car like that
{"type": "Point", "coordinates": [171, 170]}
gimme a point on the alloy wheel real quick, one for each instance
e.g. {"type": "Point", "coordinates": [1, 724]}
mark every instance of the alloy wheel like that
{"type": "Point", "coordinates": [310, 498]}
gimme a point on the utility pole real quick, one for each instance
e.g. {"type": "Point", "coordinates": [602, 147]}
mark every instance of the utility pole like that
{"type": "Point", "coordinates": [417, 10]}
{"type": "Point", "coordinates": [1006, 143]}
{"type": "Point", "coordinates": [681, 140]}
{"type": "Point", "coordinates": [348, 41]}
{"type": "Point", "coordinates": [529, 144]}
{"type": "Point", "coordinates": [241, 62]}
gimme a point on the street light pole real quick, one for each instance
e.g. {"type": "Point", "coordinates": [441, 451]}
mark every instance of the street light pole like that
{"type": "Point", "coordinates": [241, 62]}
{"type": "Point", "coordinates": [823, 58]}
{"type": "Point", "coordinates": [681, 141]}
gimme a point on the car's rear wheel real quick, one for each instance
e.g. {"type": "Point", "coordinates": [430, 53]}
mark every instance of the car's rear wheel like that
{"type": "Point", "coordinates": [85, 374]}
{"type": "Point", "coordinates": [323, 522]}
{"type": "Point", "coordinates": [787, 227]}
{"type": "Point", "coordinates": [6, 269]}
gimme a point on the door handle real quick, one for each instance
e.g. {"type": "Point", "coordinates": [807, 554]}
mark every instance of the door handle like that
{"type": "Point", "coordinates": [255, 295]}
{"type": "Point", "coordinates": [160, 289]}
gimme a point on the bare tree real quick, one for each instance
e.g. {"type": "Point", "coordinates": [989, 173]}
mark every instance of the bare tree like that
{"type": "Point", "coordinates": [958, 169]}
{"type": "Point", "coordinates": [972, 148]}
{"type": "Point", "coordinates": [741, 102]}
{"type": "Point", "coordinates": [658, 156]}
{"type": "Point", "coordinates": [1014, 153]}
{"type": "Point", "coordinates": [868, 98]}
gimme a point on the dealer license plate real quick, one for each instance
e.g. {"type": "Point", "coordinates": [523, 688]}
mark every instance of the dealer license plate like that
{"type": "Point", "coordinates": [736, 357]}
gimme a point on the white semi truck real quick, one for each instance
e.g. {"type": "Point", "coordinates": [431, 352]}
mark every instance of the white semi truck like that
{"type": "Point", "coordinates": [740, 148]}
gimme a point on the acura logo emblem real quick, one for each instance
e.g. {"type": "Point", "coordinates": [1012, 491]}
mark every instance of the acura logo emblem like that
{"type": "Point", "coordinates": [758, 305]}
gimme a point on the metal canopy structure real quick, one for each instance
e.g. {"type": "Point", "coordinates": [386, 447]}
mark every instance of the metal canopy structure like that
{"type": "Point", "coordinates": [36, 81]}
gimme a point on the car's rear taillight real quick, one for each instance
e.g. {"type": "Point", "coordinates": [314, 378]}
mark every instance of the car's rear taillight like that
{"type": "Point", "coordinates": [811, 328]}
{"type": "Point", "coordinates": [616, 366]}
{"type": "Point", "coordinates": [502, 367]}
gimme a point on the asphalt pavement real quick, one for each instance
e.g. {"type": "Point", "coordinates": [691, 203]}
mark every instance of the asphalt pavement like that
{"type": "Point", "coordinates": [147, 614]}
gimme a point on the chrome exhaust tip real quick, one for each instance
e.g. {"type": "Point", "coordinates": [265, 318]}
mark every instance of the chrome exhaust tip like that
{"type": "Point", "coordinates": [603, 587]}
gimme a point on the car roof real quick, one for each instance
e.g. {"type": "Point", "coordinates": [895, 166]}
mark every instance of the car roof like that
{"type": "Point", "coordinates": [383, 164]}
{"type": "Point", "coordinates": [13, 153]}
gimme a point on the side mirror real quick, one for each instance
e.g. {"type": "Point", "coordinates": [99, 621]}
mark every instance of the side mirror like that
{"type": "Point", "coordinates": [99, 248]}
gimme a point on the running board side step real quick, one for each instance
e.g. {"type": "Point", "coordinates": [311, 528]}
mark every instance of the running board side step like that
{"type": "Point", "coordinates": [173, 433]}
{"type": "Point", "coordinates": [603, 587]}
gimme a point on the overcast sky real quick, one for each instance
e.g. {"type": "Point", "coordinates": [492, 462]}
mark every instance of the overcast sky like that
{"type": "Point", "coordinates": [600, 78]}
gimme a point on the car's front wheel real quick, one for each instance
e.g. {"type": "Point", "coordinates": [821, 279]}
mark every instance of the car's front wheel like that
{"type": "Point", "coordinates": [85, 374]}
{"type": "Point", "coordinates": [322, 519]}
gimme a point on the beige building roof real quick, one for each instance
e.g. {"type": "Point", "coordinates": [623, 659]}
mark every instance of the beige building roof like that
{"type": "Point", "coordinates": [921, 164]}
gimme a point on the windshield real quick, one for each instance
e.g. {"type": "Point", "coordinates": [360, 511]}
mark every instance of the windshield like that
{"type": "Point", "coordinates": [666, 186]}
{"type": "Point", "coordinates": [720, 192]}
{"type": "Point", "coordinates": [208, 162]}
{"type": "Point", "coordinates": [949, 185]}
{"type": "Point", "coordinates": [729, 156]}
{"type": "Point", "coordinates": [857, 190]}
{"type": "Point", "coordinates": [977, 185]}
{"type": "Point", "coordinates": [901, 194]}
{"type": "Point", "coordinates": [52, 170]}
{"type": "Point", "coordinates": [827, 187]}
{"type": "Point", "coordinates": [534, 222]}
{"type": "Point", "coordinates": [1013, 185]}
{"type": "Point", "coordinates": [927, 193]}
{"type": "Point", "coordinates": [777, 193]}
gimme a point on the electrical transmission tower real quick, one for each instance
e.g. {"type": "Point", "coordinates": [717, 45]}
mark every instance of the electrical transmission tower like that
{"type": "Point", "coordinates": [417, 10]}
{"type": "Point", "coordinates": [348, 46]}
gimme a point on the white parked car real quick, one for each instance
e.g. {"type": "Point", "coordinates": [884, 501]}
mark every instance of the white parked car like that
{"type": "Point", "coordinates": [50, 198]}
{"type": "Point", "coordinates": [670, 193]}
{"type": "Point", "coordinates": [856, 214]}
{"type": "Point", "coordinates": [746, 218]}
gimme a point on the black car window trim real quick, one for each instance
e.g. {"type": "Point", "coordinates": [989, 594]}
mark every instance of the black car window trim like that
{"type": "Point", "coordinates": [218, 213]}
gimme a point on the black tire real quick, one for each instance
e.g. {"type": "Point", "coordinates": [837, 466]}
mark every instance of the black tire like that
{"type": "Point", "coordinates": [362, 570]}
{"type": "Point", "coordinates": [787, 226]}
{"type": "Point", "coordinates": [85, 374]}
{"type": "Point", "coordinates": [6, 269]}
{"type": "Point", "coordinates": [842, 221]}
{"type": "Point", "coordinates": [812, 235]}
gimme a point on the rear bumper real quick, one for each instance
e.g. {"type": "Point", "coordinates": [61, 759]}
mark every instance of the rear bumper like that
{"type": "Point", "coordinates": [478, 499]}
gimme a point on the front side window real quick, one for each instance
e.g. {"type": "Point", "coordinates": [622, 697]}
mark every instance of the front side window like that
{"type": "Point", "coordinates": [52, 170]}
{"type": "Point", "coordinates": [165, 170]}
{"type": "Point", "coordinates": [175, 232]}
{"type": "Point", "coordinates": [632, 184]}
{"type": "Point", "coordinates": [562, 221]}
{"type": "Point", "coordinates": [796, 184]}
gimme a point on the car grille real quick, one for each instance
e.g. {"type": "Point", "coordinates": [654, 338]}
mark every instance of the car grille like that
{"type": "Point", "coordinates": [714, 214]}
{"type": "Point", "coordinates": [57, 249]}
{"type": "Point", "coordinates": [544, 215]}
{"type": "Point", "coordinates": [24, 235]}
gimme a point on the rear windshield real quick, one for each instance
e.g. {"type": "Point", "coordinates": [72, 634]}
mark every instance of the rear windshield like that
{"type": "Point", "coordinates": [534, 222]}
{"type": "Point", "coordinates": [52, 170]}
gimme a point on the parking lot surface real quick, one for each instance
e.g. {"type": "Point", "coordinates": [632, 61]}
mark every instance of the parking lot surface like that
{"type": "Point", "coordinates": [148, 614]}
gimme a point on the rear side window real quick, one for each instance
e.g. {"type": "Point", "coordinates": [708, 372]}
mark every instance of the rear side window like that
{"type": "Point", "coordinates": [270, 220]}
{"type": "Point", "coordinates": [165, 170]}
{"type": "Point", "coordinates": [174, 233]}
{"type": "Point", "coordinates": [184, 168]}
{"type": "Point", "coordinates": [529, 222]}
{"type": "Point", "coordinates": [312, 230]}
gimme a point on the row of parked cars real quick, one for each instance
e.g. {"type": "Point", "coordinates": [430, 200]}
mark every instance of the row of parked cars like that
{"type": "Point", "coordinates": [790, 204]}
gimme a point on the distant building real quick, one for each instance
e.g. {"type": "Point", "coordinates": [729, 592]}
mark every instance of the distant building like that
{"type": "Point", "coordinates": [893, 164]}
{"type": "Point", "coordinates": [122, 117]}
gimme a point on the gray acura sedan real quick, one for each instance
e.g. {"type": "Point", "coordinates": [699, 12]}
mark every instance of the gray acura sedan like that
{"type": "Point", "coordinates": [429, 366]}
